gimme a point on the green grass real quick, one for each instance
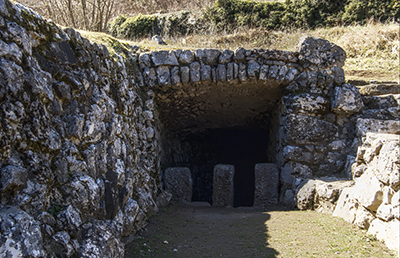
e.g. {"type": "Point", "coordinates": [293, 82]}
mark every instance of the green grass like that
{"type": "Point", "coordinates": [216, 232]}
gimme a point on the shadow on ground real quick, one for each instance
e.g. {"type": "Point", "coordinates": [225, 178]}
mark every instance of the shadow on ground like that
{"type": "Point", "coordinates": [199, 231]}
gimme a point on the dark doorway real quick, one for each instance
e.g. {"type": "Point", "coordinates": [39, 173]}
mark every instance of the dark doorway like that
{"type": "Point", "coordinates": [243, 148]}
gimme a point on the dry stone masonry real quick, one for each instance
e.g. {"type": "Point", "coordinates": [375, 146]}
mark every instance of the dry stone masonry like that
{"type": "Point", "coordinates": [92, 144]}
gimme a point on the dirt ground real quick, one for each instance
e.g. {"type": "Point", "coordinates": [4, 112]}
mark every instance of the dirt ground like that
{"type": "Point", "coordinates": [198, 230]}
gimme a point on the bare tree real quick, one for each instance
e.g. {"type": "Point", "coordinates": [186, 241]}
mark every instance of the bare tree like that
{"type": "Point", "coordinates": [92, 15]}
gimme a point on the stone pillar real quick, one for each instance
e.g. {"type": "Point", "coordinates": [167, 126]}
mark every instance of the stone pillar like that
{"type": "Point", "coordinates": [223, 185]}
{"type": "Point", "coordinates": [178, 181]}
{"type": "Point", "coordinates": [266, 184]}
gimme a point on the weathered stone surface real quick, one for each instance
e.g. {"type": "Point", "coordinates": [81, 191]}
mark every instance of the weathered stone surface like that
{"type": "Point", "coordinates": [385, 212]}
{"type": "Point", "coordinates": [387, 232]}
{"type": "Point", "coordinates": [346, 100]}
{"type": "Point", "coordinates": [63, 52]}
{"type": "Point", "coordinates": [305, 103]}
{"type": "Point", "coordinates": [178, 181]}
{"type": "Point", "coordinates": [327, 194]}
{"type": "Point", "coordinates": [294, 169]}
{"type": "Point", "coordinates": [175, 78]}
{"type": "Point", "coordinates": [223, 185]}
{"type": "Point", "coordinates": [379, 89]}
{"type": "Point", "coordinates": [205, 73]}
{"type": "Point", "coordinates": [225, 57]}
{"type": "Point", "coordinates": [3, 9]}
{"type": "Point", "coordinates": [288, 198]}
{"type": "Point", "coordinates": [319, 53]}
{"type": "Point", "coordinates": [100, 241]}
{"type": "Point", "coordinates": [239, 54]}
{"type": "Point", "coordinates": [20, 234]}
{"type": "Point", "coordinates": [242, 75]}
{"type": "Point", "coordinates": [186, 57]}
{"type": "Point", "coordinates": [164, 58]}
{"type": "Point", "coordinates": [368, 191]}
{"type": "Point", "coordinates": [144, 59]}
{"type": "Point", "coordinates": [363, 218]}
{"type": "Point", "coordinates": [164, 75]}
{"type": "Point", "coordinates": [194, 72]}
{"type": "Point", "coordinates": [303, 129]}
{"type": "Point", "coordinates": [221, 73]}
{"type": "Point", "coordinates": [12, 178]}
{"type": "Point", "coordinates": [377, 126]}
{"type": "Point", "coordinates": [253, 69]}
{"type": "Point", "coordinates": [185, 71]}
{"type": "Point", "coordinates": [347, 205]}
{"type": "Point", "coordinates": [266, 185]}
{"type": "Point", "coordinates": [305, 196]}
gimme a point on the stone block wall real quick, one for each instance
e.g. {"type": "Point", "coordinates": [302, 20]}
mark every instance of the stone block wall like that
{"type": "Point", "coordinates": [85, 135]}
{"type": "Point", "coordinates": [79, 152]}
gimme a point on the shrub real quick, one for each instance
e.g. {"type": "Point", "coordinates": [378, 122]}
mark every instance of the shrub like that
{"type": "Point", "coordinates": [134, 27]}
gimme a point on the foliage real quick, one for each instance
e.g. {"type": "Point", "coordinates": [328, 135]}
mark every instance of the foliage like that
{"type": "Point", "coordinates": [229, 15]}
{"type": "Point", "coordinates": [172, 24]}
{"type": "Point", "coordinates": [134, 27]}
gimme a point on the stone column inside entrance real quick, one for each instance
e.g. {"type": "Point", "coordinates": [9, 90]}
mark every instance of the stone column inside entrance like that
{"type": "Point", "coordinates": [266, 178]}
{"type": "Point", "coordinates": [223, 185]}
{"type": "Point", "coordinates": [178, 181]}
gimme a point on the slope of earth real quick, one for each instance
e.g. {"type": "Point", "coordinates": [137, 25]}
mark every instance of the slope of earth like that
{"type": "Point", "coordinates": [200, 231]}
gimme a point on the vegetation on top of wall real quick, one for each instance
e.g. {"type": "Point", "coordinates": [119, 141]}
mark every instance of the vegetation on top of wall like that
{"type": "Point", "coordinates": [229, 15]}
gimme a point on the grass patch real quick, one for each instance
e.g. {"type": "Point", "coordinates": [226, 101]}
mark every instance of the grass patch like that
{"type": "Point", "coordinates": [184, 231]}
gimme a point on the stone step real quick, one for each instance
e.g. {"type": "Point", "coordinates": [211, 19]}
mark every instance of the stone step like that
{"type": "Point", "coordinates": [379, 89]}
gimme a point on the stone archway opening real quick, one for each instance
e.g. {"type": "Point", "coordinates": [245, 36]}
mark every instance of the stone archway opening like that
{"type": "Point", "coordinates": [206, 125]}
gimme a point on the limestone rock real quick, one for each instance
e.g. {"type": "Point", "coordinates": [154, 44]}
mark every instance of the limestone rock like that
{"type": "Point", "coordinates": [305, 196]}
{"type": "Point", "coordinates": [3, 9]}
{"type": "Point", "coordinates": [303, 129]}
{"type": "Point", "coordinates": [346, 100]}
{"type": "Point", "coordinates": [305, 103]}
{"type": "Point", "coordinates": [225, 57]}
{"type": "Point", "coordinates": [363, 218]}
{"type": "Point", "coordinates": [387, 232]}
{"type": "Point", "coordinates": [20, 234]}
{"type": "Point", "coordinates": [377, 126]}
{"type": "Point", "coordinates": [223, 185]}
{"type": "Point", "coordinates": [368, 191]}
{"type": "Point", "coordinates": [385, 212]}
{"type": "Point", "coordinates": [314, 52]}
{"type": "Point", "coordinates": [158, 40]}
{"type": "Point", "coordinates": [178, 181]}
{"type": "Point", "coordinates": [12, 178]}
{"type": "Point", "coordinates": [347, 205]}
{"type": "Point", "coordinates": [100, 240]}
{"type": "Point", "coordinates": [186, 57]}
{"type": "Point", "coordinates": [266, 185]}
{"type": "Point", "coordinates": [327, 194]}
{"type": "Point", "coordinates": [164, 58]}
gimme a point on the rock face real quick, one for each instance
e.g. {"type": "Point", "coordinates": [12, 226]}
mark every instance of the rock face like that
{"type": "Point", "coordinates": [223, 185]}
{"type": "Point", "coordinates": [372, 203]}
{"type": "Point", "coordinates": [79, 162]}
{"type": "Point", "coordinates": [85, 135]}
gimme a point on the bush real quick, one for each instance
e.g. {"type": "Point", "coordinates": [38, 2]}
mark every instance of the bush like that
{"type": "Point", "coordinates": [133, 27]}
{"type": "Point", "coordinates": [228, 15]}
{"type": "Point", "coordinates": [360, 11]}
